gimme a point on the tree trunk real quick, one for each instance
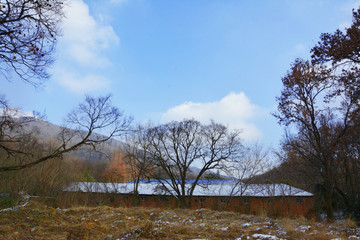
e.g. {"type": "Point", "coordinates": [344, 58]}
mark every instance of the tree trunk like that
{"type": "Point", "coordinates": [182, 202]}
{"type": "Point", "coordinates": [328, 197]}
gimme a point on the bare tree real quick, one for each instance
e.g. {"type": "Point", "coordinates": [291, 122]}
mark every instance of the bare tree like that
{"type": "Point", "coordinates": [244, 169]}
{"type": "Point", "coordinates": [12, 137]}
{"type": "Point", "coordinates": [176, 147]}
{"type": "Point", "coordinates": [28, 34]}
{"type": "Point", "coordinates": [137, 156]}
{"type": "Point", "coordinates": [92, 123]}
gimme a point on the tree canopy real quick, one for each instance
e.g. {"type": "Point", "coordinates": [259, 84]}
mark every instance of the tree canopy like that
{"type": "Point", "coordinates": [319, 105]}
{"type": "Point", "coordinates": [28, 34]}
{"type": "Point", "coordinates": [176, 148]}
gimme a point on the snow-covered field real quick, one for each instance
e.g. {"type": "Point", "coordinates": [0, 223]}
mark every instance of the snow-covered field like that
{"type": "Point", "coordinates": [35, 221]}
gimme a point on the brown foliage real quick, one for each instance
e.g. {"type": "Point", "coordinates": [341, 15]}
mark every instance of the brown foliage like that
{"type": "Point", "coordinates": [117, 170]}
{"type": "Point", "coordinates": [319, 103]}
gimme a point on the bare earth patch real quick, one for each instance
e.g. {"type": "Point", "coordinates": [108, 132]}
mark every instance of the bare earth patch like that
{"type": "Point", "coordinates": [36, 221]}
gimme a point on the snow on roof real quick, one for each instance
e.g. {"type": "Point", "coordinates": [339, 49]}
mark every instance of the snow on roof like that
{"type": "Point", "coordinates": [220, 188]}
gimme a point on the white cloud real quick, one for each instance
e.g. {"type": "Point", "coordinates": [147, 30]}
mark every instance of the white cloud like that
{"type": "Point", "coordinates": [82, 50]}
{"type": "Point", "coordinates": [81, 84]}
{"type": "Point", "coordinates": [234, 110]}
{"type": "Point", "coordinates": [84, 39]}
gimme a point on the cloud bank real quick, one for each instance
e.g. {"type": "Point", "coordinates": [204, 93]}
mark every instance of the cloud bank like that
{"type": "Point", "coordinates": [77, 83]}
{"type": "Point", "coordinates": [234, 110]}
{"type": "Point", "coordinates": [82, 44]}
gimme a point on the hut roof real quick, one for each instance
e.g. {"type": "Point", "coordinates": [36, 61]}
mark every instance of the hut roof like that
{"type": "Point", "coordinates": [204, 188]}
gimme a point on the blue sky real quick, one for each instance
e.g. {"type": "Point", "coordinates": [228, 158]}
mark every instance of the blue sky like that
{"type": "Point", "coordinates": [169, 60]}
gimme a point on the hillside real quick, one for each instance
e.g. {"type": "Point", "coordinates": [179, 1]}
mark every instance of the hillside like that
{"type": "Point", "coordinates": [48, 131]}
{"type": "Point", "coordinates": [291, 173]}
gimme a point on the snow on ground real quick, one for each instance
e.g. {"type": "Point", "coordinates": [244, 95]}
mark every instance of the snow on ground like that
{"type": "Point", "coordinates": [263, 236]}
{"type": "Point", "coordinates": [14, 208]}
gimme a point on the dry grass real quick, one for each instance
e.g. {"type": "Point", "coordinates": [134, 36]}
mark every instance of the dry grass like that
{"type": "Point", "coordinates": [36, 221]}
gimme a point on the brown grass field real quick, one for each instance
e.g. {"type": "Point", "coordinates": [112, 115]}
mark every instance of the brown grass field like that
{"type": "Point", "coordinates": [37, 221]}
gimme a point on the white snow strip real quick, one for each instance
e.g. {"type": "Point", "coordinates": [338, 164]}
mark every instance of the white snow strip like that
{"type": "Point", "coordinates": [264, 236]}
{"type": "Point", "coordinates": [14, 208]}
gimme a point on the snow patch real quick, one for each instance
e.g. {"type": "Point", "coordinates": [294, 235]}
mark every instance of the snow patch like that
{"type": "Point", "coordinates": [14, 208]}
{"type": "Point", "coordinates": [264, 236]}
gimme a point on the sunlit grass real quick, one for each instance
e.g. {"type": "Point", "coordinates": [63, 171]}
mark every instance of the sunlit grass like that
{"type": "Point", "coordinates": [36, 221]}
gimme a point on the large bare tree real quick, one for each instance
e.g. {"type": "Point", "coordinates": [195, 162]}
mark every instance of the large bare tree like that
{"type": "Point", "coordinates": [177, 147]}
{"type": "Point", "coordinates": [302, 105]}
{"type": "Point", "coordinates": [318, 107]}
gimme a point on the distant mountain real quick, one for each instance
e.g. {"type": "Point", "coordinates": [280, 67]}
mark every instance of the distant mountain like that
{"type": "Point", "coordinates": [48, 132]}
